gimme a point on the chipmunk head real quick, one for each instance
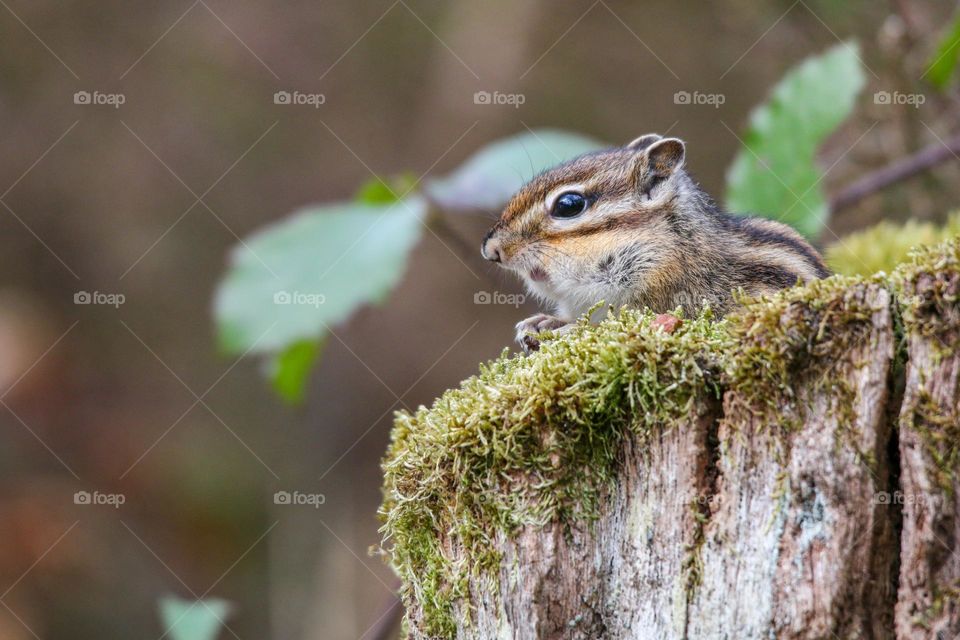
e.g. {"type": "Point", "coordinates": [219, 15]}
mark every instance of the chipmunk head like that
{"type": "Point", "coordinates": [596, 226]}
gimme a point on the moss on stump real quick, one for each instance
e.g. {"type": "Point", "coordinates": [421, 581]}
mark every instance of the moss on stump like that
{"type": "Point", "coordinates": [537, 439]}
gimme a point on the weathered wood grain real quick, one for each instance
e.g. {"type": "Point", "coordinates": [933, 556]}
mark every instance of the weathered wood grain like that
{"type": "Point", "coordinates": [799, 546]}
{"type": "Point", "coordinates": [929, 600]}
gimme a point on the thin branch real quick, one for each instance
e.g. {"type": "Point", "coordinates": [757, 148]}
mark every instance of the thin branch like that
{"type": "Point", "coordinates": [897, 171]}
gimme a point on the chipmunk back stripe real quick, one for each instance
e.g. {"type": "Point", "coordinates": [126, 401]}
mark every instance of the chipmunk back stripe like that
{"type": "Point", "coordinates": [757, 231]}
{"type": "Point", "coordinates": [771, 275]}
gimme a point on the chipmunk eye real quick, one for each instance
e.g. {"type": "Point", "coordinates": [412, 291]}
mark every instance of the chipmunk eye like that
{"type": "Point", "coordinates": [569, 205]}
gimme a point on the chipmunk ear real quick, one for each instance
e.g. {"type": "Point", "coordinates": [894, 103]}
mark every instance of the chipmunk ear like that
{"type": "Point", "coordinates": [644, 141]}
{"type": "Point", "coordinates": [658, 162]}
{"type": "Point", "coordinates": [665, 156]}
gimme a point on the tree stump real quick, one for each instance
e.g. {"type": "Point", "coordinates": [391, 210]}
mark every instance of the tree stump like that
{"type": "Point", "coordinates": [789, 472]}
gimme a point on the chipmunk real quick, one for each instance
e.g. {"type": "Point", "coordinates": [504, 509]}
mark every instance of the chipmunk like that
{"type": "Point", "coordinates": [629, 226]}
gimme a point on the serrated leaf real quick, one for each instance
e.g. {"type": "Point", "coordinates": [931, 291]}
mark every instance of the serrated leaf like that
{"type": "Point", "coordinates": [289, 370]}
{"type": "Point", "coordinates": [292, 280]}
{"type": "Point", "coordinates": [193, 620]}
{"type": "Point", "coordinates": [944, 60]}
{"type": "Point", "coordinates": [775, 173]}
{"type": "Point", "coordinates": [488, 179]}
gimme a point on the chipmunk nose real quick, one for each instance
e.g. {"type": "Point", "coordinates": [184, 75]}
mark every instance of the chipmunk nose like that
{"type": "Point", "coordinates": [490, 249]}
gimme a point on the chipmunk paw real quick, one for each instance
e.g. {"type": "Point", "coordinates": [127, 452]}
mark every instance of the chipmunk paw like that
{"type": "Point", "coordinates": [528, 329]}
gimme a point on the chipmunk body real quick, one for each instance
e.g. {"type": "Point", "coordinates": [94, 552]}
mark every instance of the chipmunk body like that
{"type": "Point", "coordinates": [629, 226]}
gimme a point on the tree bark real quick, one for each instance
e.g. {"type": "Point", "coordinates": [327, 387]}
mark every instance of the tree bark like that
{"type": "Point", "coordinates": [824, 505]}
{"type": "Point", "coordinates": [799, 546]}
{"type": "Point", "coordinates": [627, 571]}
{"type": "Point", "coordinates": [928, 605]}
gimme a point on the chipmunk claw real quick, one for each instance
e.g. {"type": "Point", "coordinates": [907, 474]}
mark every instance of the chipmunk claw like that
{"type": "Point", "coordinates": [528, 329]}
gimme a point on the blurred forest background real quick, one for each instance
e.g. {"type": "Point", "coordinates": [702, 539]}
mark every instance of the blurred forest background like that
{"type": "Point", "coordinates": [145, 199]}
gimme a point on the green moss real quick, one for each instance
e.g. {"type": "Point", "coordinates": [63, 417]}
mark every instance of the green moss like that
{"type": "Point", "coordinates": [797, 333]}
{"type": "Point", "coordinates": [692, 561]}
{"type": "Point", "coordinates": [533, 440]}
{"type": "Point", "coordinates": [530, 440]}
{"type": "Point", "coordinates": [944, 600]}
{"type": "Point", "coordinates": [886, 245]}
{"type": "Point", "coordinates": [929, 290]}
{"type": "Point", "coordinates": [939, 430]}
{"type": "Point", "coordinates": [928, 285]}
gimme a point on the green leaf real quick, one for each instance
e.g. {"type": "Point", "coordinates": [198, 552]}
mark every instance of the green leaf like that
{"type": "Point", "coordinates": [286, 285]}
{"type": "Point", "coordinates": [944, 60]}
{"type": "Point", "coordinates": [775, 172]}
{"type": "Point", "coordinates": [292, 280]}
{"type": "Point", "coordinates": [193, 620]}
{"type": "Point", "coordinates": [488, 179]}
{"type": "Point", "coordinates": [289, 370]}
{"type": "Point", "coordinates": [376, 191]}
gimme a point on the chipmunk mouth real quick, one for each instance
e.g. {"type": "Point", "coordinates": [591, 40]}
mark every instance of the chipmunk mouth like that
{"type": "Point", "coordinates": [537, 274]}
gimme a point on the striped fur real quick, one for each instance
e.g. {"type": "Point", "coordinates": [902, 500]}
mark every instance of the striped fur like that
{"type": "Point", "coordinates": [649, 238]}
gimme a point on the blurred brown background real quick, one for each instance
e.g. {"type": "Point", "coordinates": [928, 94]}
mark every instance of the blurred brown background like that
{"type": "Point", "coordinates": [136, 401]}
